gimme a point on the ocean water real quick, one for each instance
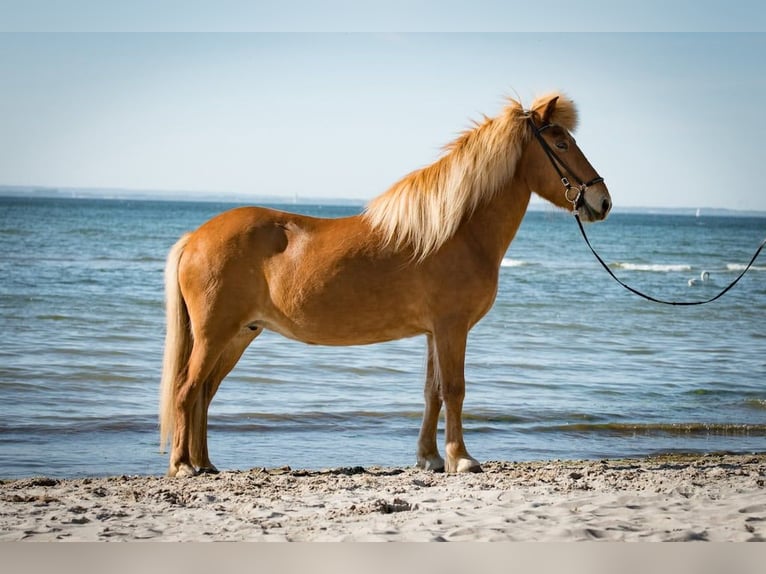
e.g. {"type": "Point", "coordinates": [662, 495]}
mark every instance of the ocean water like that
{"type": "Point", "coordinates": [566, 365]}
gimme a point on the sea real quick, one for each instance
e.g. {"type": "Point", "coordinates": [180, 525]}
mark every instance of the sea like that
{"type": "Point", "coordinates": [566, 365]}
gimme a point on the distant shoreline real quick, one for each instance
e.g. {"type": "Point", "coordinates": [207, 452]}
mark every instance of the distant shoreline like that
{"type": "Point", "coordinates": [149, 195]}
{"type": "Point", "coordinates": [42, 192]}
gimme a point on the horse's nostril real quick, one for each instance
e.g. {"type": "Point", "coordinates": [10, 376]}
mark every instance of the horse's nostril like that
{"type": "Point", "coordinates": [605, 205]}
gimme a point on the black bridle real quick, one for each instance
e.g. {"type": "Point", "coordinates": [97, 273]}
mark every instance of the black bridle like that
{"type": "Point", "coordinates": [578, 201]}
{"type": "Point", "coordinates": [578, 198]}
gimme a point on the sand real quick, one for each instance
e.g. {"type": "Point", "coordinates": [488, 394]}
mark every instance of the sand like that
{"type": "Point", "coordinates": [669, 498]}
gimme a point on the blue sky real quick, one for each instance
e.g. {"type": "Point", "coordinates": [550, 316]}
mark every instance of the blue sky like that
{"type": "Point", "coordinates": [669, 119]}
{"type": "Point", "coordinates": [378, 16]}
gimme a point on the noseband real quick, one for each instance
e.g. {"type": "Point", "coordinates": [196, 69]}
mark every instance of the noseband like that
{"type": "Point", "coordinates": [574, 194]}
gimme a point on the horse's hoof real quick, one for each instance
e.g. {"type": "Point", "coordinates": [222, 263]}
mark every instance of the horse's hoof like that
{"type": "Point", "coordinates": [208, 470]}
{"type": "Point", "coordinates": [182, 470]}
{"type": "Point", "coordinates": [434, 464]}
{"type": "Point", "coordinates": [469, 467]}
{"type": "Point", "coordinates": [465, 465]}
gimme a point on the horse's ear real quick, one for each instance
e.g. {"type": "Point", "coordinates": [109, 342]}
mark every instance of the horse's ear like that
{"type": "Point", "coordinates": [554, 108]}
{"type": "Point", "coordinates": [550, 107]}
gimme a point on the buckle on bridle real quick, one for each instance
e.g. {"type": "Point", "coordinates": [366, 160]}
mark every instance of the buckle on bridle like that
{"type": "Point", "coordinates": [578, 198]}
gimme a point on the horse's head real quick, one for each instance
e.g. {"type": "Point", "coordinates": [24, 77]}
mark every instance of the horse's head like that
{"type": "Point", "coordinates": [556, 169]}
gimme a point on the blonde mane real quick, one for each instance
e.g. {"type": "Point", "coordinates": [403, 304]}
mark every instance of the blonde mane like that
{"type": "Point", "coordinates": [424, 209]}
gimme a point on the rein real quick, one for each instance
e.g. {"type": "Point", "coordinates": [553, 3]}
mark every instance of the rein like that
{"type": "Point", "coordinates": [579, 201]}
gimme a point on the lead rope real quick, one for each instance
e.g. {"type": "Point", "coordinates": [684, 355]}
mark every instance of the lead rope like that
{"type": "Point", "coordinates": [654, 299]}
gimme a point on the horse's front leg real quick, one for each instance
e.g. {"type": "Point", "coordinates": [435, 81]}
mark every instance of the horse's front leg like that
{"type": "Point", "coordinates": [449, 345]}
{"type": "Point", "coordinates": [428, 453]}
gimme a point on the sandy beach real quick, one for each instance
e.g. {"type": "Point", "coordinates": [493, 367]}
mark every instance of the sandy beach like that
{"type": "Point", "coordinates": [669, 498]}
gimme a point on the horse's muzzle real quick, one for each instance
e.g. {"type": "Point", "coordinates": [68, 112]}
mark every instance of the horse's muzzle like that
{"type": "Point", "coordinates": [594, 206]}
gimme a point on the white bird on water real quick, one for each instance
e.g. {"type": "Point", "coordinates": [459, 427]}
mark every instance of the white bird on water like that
{"type": "Point", "coordinates": [704, 276]}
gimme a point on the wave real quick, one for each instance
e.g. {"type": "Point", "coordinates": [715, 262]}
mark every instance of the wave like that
{"type": "Point", "coordinates": [79, 425]}
{"type": "Point", "coordinates": [677, 267]}
{"type": "Point", "coordinates": [741, 267]}
{"type": "Point", "coordinates": [507, 262]}
{"type": "Point", "coordinates": [673, 429]}
{"type": "Point", "coordinates": [653, 267]}
{"type": "Point", "coordinates": [756, 403]}
{"type": "Point", "coordinates": [307, 420]}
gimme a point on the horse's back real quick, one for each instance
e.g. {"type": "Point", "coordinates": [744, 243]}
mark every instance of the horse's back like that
{"type": "Point", "coordinates": [250, 234]}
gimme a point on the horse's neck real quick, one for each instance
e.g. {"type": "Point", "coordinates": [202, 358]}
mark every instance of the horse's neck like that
{"type": "Point", "coordinates": [494, 224]}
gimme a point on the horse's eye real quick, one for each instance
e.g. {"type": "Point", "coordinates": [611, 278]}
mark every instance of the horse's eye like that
{"type": "Point", "coordinates": [562, 145]}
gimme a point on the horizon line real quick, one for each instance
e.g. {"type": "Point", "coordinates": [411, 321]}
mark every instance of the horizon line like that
{"type": "Point", "coordinates": [120, 193]}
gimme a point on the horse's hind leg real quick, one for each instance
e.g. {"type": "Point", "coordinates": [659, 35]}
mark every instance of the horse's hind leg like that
{"type": "Point", "coordinates": [449, 347]}
{"type": "Point", "coordinates": [202, 361]}
{"type": "Point", "coordinates": [198, 432]}
{"type": "Point", "coordinates": [428, 452]}
{"type": "Point", "coordinates": [226, 362]}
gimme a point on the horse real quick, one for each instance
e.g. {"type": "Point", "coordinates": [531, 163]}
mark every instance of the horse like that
{"type": "Point", "coordinates": [423, 258]}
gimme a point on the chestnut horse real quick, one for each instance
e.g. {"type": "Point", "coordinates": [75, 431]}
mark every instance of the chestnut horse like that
{"type": "Point", "coordinates": [423, 258]}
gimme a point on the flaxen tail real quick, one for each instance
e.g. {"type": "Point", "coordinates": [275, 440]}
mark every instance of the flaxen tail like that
{"type": "Point", "coordinates": [178, 342]}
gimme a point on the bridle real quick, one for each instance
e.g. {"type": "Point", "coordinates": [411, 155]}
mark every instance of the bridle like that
{"type": "Point", "coordinates": [576, 196]}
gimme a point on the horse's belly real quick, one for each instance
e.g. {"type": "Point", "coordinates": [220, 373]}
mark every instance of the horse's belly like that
{"type": "Point", "coordinates": [342, 331]}
{"type": "Point", "coordinates": [349, 303]}
{"type": "Point", "coordinates": [345, 317]}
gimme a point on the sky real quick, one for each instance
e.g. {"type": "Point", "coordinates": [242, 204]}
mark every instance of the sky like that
{"type": "Point", "coordinates": [668, 119]}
